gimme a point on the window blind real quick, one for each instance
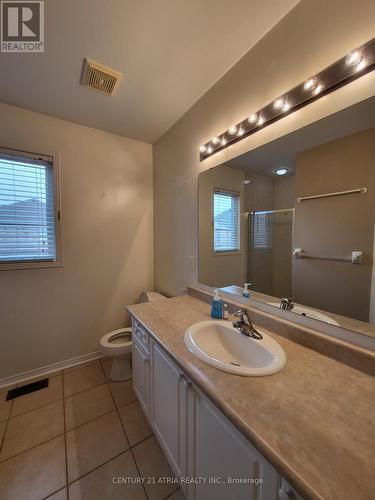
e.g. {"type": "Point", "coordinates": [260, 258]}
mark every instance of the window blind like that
{"type": "Point", "coordinates": [261, 229]}
{"type": "Point", "coordinates": [226, 221]}
{"type": "Point", "coordinates": [27, 209]}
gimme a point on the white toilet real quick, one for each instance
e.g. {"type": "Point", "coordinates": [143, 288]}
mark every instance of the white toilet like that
{"type": "Point", "coordinates": [118, 344]}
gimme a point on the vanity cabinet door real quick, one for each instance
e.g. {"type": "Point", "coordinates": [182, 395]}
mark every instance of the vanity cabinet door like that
{"type": "Point", "coordinates": [141, 374]}
{"type": "Point", "coordinates": [169, 391]}
{"type": "Point", "coordinates": [224, 459]}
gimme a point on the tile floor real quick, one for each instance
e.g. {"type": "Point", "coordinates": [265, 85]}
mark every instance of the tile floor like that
{"type": "Point", "coordinates": [81, 438]}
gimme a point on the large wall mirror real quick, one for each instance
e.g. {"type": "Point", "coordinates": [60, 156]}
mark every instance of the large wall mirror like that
{"type": "Point", "coordinates": [295, 219]}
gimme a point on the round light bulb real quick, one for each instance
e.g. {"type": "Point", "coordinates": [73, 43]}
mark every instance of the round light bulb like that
{"type": "Point", "coordinates": [318, 89]}
{"type": "Point", "coordinates": [311, 83]}
{"type": "Point", "coordinates": [202, 149]}
{"type": "Point", "coordinates": [361, 65]}
{"type": "Point", "coordinates": [209, 149]}
{"type": "Point", "coordinates": [354, 58]}
{"type": "Point", "coordinates": [252, 118]}
{"type": "Point", "coordinates": [279, 103]}
{"type": "Point", "coordinates": [260, 120]}
{"type": "Point", "coordinates": [215, 140]}
{"type": "Point", "coordinates": [223, 141]}
{"type": "Point", "coordinates": [232, 130]}
{"type": "Point", "coordinates": [241, 131]}
{"type": "Point", "coordinates": [281, 171]}
{"type": "Point", "coordinates": [286, 106]}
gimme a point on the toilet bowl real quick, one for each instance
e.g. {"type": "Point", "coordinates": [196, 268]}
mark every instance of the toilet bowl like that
{"type": "Point", "coordinates": [118, 344]}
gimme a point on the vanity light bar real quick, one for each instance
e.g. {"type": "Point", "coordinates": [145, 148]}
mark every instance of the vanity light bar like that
{"type": "Point", "coordinates": [354, 65]}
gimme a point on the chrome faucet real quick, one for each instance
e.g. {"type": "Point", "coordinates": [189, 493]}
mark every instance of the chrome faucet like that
{"type": "Point", "coordinates": [245, 326]}
{"type": "Point", "coordinates": [286, 304]}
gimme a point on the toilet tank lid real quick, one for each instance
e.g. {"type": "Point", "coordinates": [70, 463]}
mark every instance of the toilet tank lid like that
{"type": "Point", "coordinates": [150, 297]}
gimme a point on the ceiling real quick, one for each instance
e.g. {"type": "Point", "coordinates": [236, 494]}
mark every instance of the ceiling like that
{"type": "Point", "coordinates": [170, 52]}
{"type": "Point", "coordinates": [281, 153]}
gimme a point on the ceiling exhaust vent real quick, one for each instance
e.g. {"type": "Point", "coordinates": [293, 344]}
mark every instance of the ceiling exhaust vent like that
{"type": "Point", "coordinates": [99, 77]}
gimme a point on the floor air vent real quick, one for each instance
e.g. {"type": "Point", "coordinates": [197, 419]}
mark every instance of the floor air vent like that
{"type": "Point", "coordinates": [99, 77]}
{"type": "Point", "coordinates": [27, 389]}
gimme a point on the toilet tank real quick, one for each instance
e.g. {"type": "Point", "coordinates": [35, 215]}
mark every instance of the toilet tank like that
{"type": "Point", "coordinates": [150, 297]}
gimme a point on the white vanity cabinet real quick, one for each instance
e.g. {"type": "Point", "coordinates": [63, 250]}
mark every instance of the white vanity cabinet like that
{"type": "Point", "coordinates": [168, 407]}
{"type": "Point", "coordinates": [232, 466]}
{"type": "Point", "coordinates": [197, 439]}
{"type": "Point", "coordinates": [141, 366]}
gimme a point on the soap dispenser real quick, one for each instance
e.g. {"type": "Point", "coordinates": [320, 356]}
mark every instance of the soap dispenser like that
{"type": "Point", "coordinates": [246, 290]}
{"type": "Point", "coordinates": [216, 306]}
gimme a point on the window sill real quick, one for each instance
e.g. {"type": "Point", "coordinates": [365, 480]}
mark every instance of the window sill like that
{"type": "Point", "coordinates": [226, 253]}
{"type": "Point", "coordinates": [17, 266]}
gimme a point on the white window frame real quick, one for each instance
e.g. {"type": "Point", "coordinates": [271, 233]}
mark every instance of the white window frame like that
{"type": "Point", "coordinates": [54, 159]}
{"type": "Point", "coordinates": [223, 253]}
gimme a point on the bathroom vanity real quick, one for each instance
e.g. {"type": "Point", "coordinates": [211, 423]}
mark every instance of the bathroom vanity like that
{"type": "Point", "coordinates": [206, 451]}
{"type": "Point", "coordinates": [305, 429]}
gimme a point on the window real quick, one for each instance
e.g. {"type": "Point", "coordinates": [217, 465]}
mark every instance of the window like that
{"type": "Point", "coordinates": [29, 233]}
{"type": "Point", "coordinates": [261, 233]}
{"type": "Point", "coordinates": [226, 221]}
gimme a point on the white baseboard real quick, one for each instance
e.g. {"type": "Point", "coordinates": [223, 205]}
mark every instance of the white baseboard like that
{"type": "Point", "coordinates": [47, 370]}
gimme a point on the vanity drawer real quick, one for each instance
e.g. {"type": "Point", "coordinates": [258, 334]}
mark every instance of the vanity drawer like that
{"type": "Point", "coordinates": [140, 333]}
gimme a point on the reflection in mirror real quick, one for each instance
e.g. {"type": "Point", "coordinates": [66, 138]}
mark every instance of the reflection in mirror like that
{"type": "Point", "coordinates": [263, 221]}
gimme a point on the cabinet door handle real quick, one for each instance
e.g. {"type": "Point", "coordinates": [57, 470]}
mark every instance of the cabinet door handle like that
{"type": "Point", "coordinates": [184, 380]}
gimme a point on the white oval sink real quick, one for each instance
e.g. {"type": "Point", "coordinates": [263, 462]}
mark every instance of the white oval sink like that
{"type": "Point", "coordinates": [219, 344]}
{"type": "Point", "coordinates": [309, 313]}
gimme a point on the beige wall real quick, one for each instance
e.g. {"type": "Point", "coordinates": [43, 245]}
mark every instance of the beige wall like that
{"type": "Point", "coordinates": [220, 269]}
{"type": "Point", "coordinates": [309, 38]}
{"type": "Point", "coordinates": [336, 226]}
{"type": "Point", "coordinates": [50, 315]}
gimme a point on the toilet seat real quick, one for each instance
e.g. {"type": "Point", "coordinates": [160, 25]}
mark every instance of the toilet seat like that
{"type": "Point", "coordinates": [118, 345]}
{"type": "Point", "coordinates": [112, 345]}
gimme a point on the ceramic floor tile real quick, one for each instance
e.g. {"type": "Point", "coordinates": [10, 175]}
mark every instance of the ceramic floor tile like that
{"type": "Point", "coordinates": [106, 364]}
{"type": "Point", "coordinates": [151, 462]}
{"type": "Point", "coordinates": [87, 405]}
{"type": "Point", "coordinates": [32, 428]}
{"type": "Point", "coordinates": [38, 398]}
{"type": "Point", "coordinates": [101, 483]}
{"type": "Point", "coordinates": [122, 392]}
{"type": "Point", "coordinates": [7, 388]}
{"type": "Point", "coordinates": [60, 495]}
{"type": "Point", "coordinates": [34, 474]}
{"type": "Point", "coordinates": [81, 365]}
{"type": "Point", "coordinates": [135, 422]}
{"type": "Point", "coordinates": [5, 406]}
{"type": "Point", "coordinates": [83, 378]}
{"type": "Point", "coordinates": [94, 443]}
{"type": "Point", "coordinates": [39, 377]}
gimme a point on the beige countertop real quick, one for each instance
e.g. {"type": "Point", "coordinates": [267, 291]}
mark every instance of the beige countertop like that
{"type": "Point", "coordinates": [314, 420]}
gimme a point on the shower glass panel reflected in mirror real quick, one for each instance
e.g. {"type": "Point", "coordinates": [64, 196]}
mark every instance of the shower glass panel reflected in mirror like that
{"type": "Point", "coordinates": [295, 219]}
{"type": "Point", "coordinates": [269, 268]}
